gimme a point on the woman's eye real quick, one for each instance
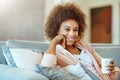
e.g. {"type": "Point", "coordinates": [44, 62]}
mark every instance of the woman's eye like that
{"type": "Point", "coordinates": [67, 29]}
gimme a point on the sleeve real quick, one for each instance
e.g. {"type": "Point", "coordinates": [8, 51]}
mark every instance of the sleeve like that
{"type": "Point", "coordinates": [77, 71]}
{"type": "Point", "coordinates": [48, 60]}
{"type": "Point", "coordinates": [54, 73]}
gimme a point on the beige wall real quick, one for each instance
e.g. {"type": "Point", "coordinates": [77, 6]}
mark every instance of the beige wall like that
{"type": "Point", "coordinates": [22, 19]}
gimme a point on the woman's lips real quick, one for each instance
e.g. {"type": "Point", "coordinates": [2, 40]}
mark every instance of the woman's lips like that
{"type": "Point", "coordinates": [70, 39]}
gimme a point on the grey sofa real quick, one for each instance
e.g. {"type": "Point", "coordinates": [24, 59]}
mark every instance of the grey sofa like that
{"type": "Point", "coordinates": [13, 73]}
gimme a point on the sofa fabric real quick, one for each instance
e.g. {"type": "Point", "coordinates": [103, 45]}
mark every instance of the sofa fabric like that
{"type": "Point", "coordinates": [111, 52]}
{"type": "Point", "coordinates": [22, 58]}
{"type": "Point", "coordinates": [14, 73]}
{"type": "Point", "coordinates": [27, 44]}
{"type": "Point", "coordinates": [2, 58]}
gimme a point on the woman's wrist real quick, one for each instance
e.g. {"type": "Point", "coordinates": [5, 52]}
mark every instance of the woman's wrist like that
{"type": "Point", "coordinates": [48, 60]}
{"type": "Point", "coordinates": [52, 48]}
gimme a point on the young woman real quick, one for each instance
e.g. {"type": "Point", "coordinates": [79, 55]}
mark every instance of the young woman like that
{"type": "Point", "coordinates": [65, 27]}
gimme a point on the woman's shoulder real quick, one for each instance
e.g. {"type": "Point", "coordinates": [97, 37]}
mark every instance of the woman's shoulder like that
{"type": "Point", "coordinates": [83, 43]}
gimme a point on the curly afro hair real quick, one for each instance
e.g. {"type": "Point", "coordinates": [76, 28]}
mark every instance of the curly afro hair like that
{"type": "Point", "coordinates": [63, 12]}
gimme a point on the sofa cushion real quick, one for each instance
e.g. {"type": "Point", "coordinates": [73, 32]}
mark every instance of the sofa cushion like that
{"type": "Point", "coordinates": [22, 58]}
{"type": "Point", "coordinates": [2, 58]}
{"type": "Point", "coordinates": [12, 73]}
{"type": "Point", "coordinates": [28, 44]}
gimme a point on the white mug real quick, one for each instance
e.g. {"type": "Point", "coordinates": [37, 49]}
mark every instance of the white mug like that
{"type": "Point", "coordinates": [105, 62]}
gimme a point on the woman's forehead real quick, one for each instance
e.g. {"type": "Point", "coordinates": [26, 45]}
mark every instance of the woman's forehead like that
{"type": "Point", "coordinates": [70, 23]}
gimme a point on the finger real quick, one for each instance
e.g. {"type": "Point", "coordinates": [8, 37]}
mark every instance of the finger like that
{"type": "Point", "coordinates": [63, 42]}
{"type": "Point", "coordinates": [58, 39]}
{"type": "Point", "coordinates": [116, 69]}
{"type": "Point", "coordinates": [110, 69]}
{"type": "Point", "coordinates": [111, 65]}
{"type": "Point", "coordinates": [112, 61]}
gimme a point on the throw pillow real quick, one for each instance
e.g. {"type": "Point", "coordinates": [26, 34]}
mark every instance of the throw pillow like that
{"type": "Point", "coordinates": [22, 58]}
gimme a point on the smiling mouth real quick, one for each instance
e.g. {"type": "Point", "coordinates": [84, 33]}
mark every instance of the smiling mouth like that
{"type": "Point", "coordinates": [71, 39]}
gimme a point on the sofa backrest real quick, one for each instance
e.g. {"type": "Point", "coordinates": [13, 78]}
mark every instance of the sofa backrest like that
{"type": "Point", "coordinates": [95, 45]}
{"type": "Point", "coordinates": [110, 52]}
{"type": "Point", "coordinates": [28, 44]}
{"type": "Point", "coordinates": [42, 46]}
{"type": "Point", "coordinates": [105, 50]}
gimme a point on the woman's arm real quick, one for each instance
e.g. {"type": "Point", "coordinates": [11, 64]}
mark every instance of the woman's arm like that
{"type": "Point", "coordinates": [54, 73]}
{"type": "Point", "coordinates": [49, 58]}
{"type": "Point", "coordinates": [59, 39]}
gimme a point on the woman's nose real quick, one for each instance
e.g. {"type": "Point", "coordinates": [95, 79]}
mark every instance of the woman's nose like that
{"type": "Point", "coordinates": [71, 33]}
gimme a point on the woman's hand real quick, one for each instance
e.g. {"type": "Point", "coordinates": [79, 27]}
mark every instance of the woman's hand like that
{"type": "Point", "coordinates": [114, 71]}
{"type": "Point", "coordinates": [59, 39]}
{"type": "Point", "coordinates": [111, 66]}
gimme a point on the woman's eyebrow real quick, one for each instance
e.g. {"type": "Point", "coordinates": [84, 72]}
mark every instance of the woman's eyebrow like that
{"type": "Point", "coordinates": [69, 26]}
{"type": "Point", "coordinates": [66, 26]}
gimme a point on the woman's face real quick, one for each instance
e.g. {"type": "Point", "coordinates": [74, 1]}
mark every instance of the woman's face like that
{"type": "Point", "coordinates": [69, 29]}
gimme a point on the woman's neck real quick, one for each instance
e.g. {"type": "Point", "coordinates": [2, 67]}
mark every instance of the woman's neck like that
{"type": "Point", "coordinates": [73, 50]}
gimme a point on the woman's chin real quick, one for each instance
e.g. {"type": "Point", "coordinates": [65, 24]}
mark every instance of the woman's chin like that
{"type": "Point", "coordinates": [69, 43]}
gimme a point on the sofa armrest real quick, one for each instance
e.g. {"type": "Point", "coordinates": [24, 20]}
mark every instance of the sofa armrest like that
{"type": "Point", "coordinates": [12, 73]}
